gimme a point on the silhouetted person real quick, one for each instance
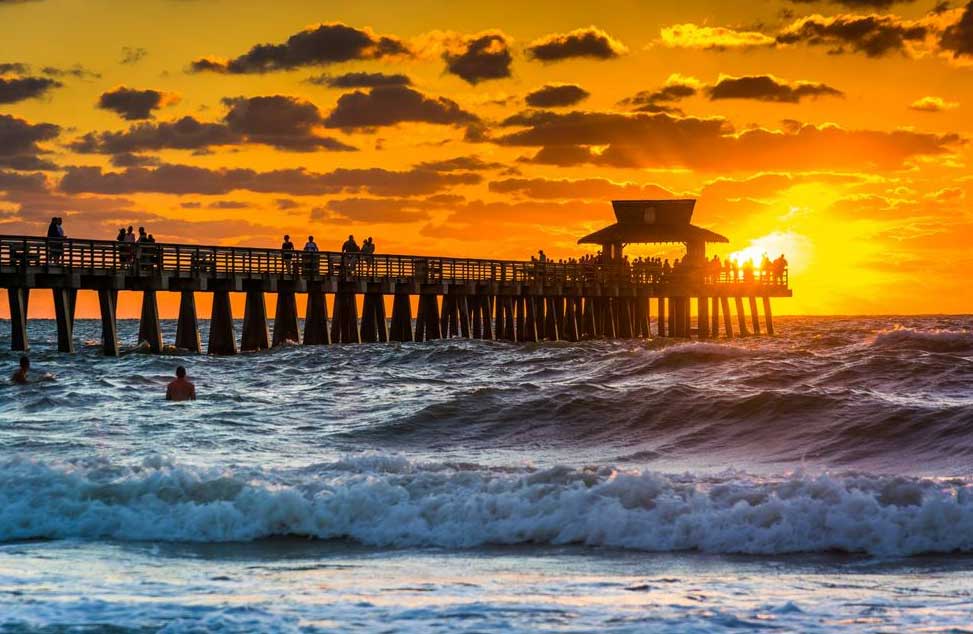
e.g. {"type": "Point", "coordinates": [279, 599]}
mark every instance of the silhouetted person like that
{"type": "Point", "coordinates": [121, 235]}
{"type": "Point", "coordinates": [287, 253]}
{"type": "Point", "coordinates": [350, 246]}
{"type": "Point", "coordinates": [181, 389]}
{"type": "Point", "coordinates": [310, 254]}
{"type": "Point", "coordinates": [55, 233]}
{"type": "Point", "coordinates": [20, 376]}
{"type": "Point", "coordinates": [780, 267]}
{"type": "Point", "coordinates": [541, 256]}
{"type": "Point", "coordinates": [748, 271]}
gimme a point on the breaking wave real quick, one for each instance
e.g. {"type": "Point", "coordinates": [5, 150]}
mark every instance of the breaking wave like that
{"type": "Point", "coordinates": [390, 501]}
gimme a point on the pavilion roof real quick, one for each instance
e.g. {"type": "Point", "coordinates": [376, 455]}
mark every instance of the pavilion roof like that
{"type": "Point", "coordinates": [652, 221]}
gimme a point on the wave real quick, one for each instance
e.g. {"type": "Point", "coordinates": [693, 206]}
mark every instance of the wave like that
{"type": "Point", "coordinates": [925, 340]}
{"type": "Point", "coordinates": [388, 501]}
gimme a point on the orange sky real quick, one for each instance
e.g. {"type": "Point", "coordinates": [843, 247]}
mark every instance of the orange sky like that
{"type": "Point", "coordinates": [834, 131]}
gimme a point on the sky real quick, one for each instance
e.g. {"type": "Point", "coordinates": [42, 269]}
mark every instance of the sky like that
{"type": "Point", "coordinates": [836, 132]}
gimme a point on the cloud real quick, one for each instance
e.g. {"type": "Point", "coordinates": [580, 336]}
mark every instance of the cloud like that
{"type": "Point", "coordinates": [132, 54]}
{"type": "Point", "coordinates": [859, 4]}
{"type": "Point", "coordinates": [14, 181]}
{"type": "Point", "coordinates": [14, 89]}
{"type": "Point", "coordinates": [480, 57]}
{"type": "Point", "coordinates": [376, 210]}
{"type": "Point", "coordinates": [77, 71]}
{"type": "Point", "coordinates": [131, 104]}
{"type": "Point", "coordinates": [585, 188]}
{"type": "Point", "coordinates": [317, 45]}
{"type": "Point", "coordinates": [768, 88]}
{"type": "Point", "coordinates": [873, 35]}
{"type": "Point", "coordinates": [590, 42]}
{"type": "Point", "coordinates": [460, 164]}
{"type": "Point", "coordinates": [933, 104]}
{"type": "Point", "coordinates": [19, 142]}
{"type": "Point", "coordinates": [663, 141]}
{"type": "Point", "coordinates": [677, 88]}
{"type": "Point", "coordinates": [186, 179]}
{"type": "Point", "coordinates": [360, 80]}
{"type": "Point", "coordinates": [389, 105]}
{"type": "Point", "coordinates": [556, 95]}
{"type": "Point", "coordinates": [712, 38]}
{"type": "Point", "coordinates": [957, 39]}
{"type": "Point", "coordinates": [286, 123]}
{"type": "Point", "coordinates": [18, 68]}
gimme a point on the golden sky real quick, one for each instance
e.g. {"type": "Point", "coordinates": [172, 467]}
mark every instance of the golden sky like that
{"type": "Point", "coordinates": [837, 132]}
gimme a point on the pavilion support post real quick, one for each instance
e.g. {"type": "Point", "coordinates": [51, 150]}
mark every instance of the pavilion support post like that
{"type": "Point", "coordinates": [109, 325]}
{"type": "Point", "coordinates": [255, 332]}
{"type": "Point", "coordinates": [316, 319]}
{"type": "Point", "coordinates": [369, 329]}
{"type": "Point", "coordinates": [768, 316]}
{"type": "Point", "coordinates": [509, 332]}
{"type": "Point", "coordinates": [715, 318]}
{"type": "Point", "coordinates": [463, 306]}
{"type": "Point", "coordinates": [727, 319]}
{"type": "Point", "coordinates": [741, 317]}
{"type": "Point", "coordinates": [401, 318]}
{"type": "Point", "coordinates": [485, 321]}
{"type": "Point", "coordinates": [65, 324]}
{"type": "Point", "coordinates": [625, 330]}
{"type": "Point", "coordinates": [187, 327]}
{"type": "Point", "coordinates": [150, 330]}
{"type": "Point", "coordinates": [286, 326]}
{"type": "Point", "coordinates": [661, 321]}
{"type": "Point", "coordinates": [754, 316]}
{"type": "Point", "coordinates": [18, 298]}
{"type": "Point", "coordinates": [702, 317]}
{"type": "Point", "coordinates": [221, 337]}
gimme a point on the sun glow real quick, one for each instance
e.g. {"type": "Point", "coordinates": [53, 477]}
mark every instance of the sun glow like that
{"type": "Point", "coordinates": [795, 247]}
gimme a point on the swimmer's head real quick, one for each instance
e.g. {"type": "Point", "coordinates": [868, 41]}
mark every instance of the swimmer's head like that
{"type": "Point", "coordinates": [181, 372]}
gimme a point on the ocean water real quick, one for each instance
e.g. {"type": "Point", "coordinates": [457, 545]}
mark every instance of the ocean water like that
{"type": "Point", "coordinates": [815, 481]}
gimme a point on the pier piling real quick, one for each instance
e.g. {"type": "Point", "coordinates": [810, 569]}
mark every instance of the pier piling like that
{"type": "Point", "coordinates": [222, 340]}
{"type": "Point", "coordinates": [754, 315]}
{"type": "Point", "coordinates": [18, 298]}
{"type": "Point", "coordinates": [107, 302]}
{"type": "Point", "coordinates": [187, 328]}
{"type": "Point", "coordinates": [768, 316]}
{"type": "Point", "coordinates": [286, 326]}
{"type": "Point", "coordinates": [316, 318]}
{"type": "Point", "coordinates": [255, 332]}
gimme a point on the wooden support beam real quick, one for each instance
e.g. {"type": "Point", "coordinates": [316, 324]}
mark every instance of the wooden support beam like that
{"type": "Point", "coordinates": [558, 328]}
{"type": "Point", "coordinates": [369, 329]}
{"type": "Point", "coordinates": [727, 320]}
{"type": "Point", "coordinates": [530, 319]}
{"type": "Point", "coordinates": [501, 317]}
{"type": "Point", "coordinates": [109, 325]}
{"type": "Point", "coordinates": [187, 327]}
{"type": "Point", "coordinates": [485, 311]}
{"type": "Point", "coordinates": [222, 340]}
{"type": "Point", "coordinates": [569, 326]}
{"type": "Point", "coordinates": [611, 323]}
{"type": "Point", "coordinates": [463, 308]}
{"type": "Point", "coordinates": [344, 319]}
{"type": "Point", "coordinates": [589, 319]}
{"type": "Point", "coordinates": [509, 333]}
{"type": "Point", "coordinates": [715, 318]}
{"type": "Point", "coordinates": [430, 326]}
{"type": "Point", "coordinates": [286, 327]}
{"type": "Point", "coordinates": [687, 316]}
{"type": "Point", "coordinates": [65, 323]}
{"type": "Point", "coordinates": [641, 317]}
{"type": "Point", "coordinates": [150, 329]}
{"type": "Point", "coordinates": [741, 317]}
{"type": "Point", "coordinates": [476, 316]}
{"type": "Point", "coordinates": [520, 317]}
{"type": "Point", "coordinates": [18, 299]}
{"type": "Point", "coordinates": [401, 318]}
{"type": "Point", "coordinates": [381, 324]}
{"type": "Point", "coordinates": [673, 321]}
{"type": "Point", "coordinates": [702, 317]}
{"type": "Point", "coordinates": [316, 319]}
{"type": "Point", "coordinates": [755, 316]}
{"type": "Point", "coordinates": [661, 321]}
{"type": "Point", "coordinates": [625, 330]}
{"type": "Point", "coordinates": [421, 311]}
{"type": "Point", "coordinates": [768, 316]}
{"type": "Point", "coordinates": [255, 331]}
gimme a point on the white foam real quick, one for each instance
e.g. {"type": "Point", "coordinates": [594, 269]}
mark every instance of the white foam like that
{"type": "Point", "coordinates": [387, 501]}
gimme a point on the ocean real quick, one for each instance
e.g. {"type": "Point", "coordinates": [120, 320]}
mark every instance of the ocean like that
{"type": "Point", "coordinates": [815, 481]}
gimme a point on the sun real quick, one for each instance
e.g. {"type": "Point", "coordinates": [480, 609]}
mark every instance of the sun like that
{"type": "Point", "coordinates": [795, 247]}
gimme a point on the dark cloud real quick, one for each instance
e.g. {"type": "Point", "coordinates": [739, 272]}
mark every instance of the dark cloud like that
{"type": "Point", "coordinates": [389, 105]}
{"type": "Point", "coordinates": [482, 57]}
{"type": "Point", "coordinates": [460, 164]}
{"type": "Point", "coordinates": [286, 204]}
{"type": "Point", "coordinates": [132, 54]}
{"type": "Point", "coordinates": [676, 89]}
{"type": "Point", "coordinates": [286, 123]}
{"type": "Point", "coordinates": [768, 88]}
{"type": "Point", "coordinates": [555, 96]}
{"type": "Point", "coordinates": [590, 42]}
{"type": "Point", "coordinates": [586, 188]}
{"type": "Point", "coordinates": [132, 104]}
{"type": "Point", "coordinates": [663, 141]}
{"type": "Point", "coordinates": [14, 67]}
{"type": "Point", "coordinates": [77, 71]}
{"type": "Point", "coordinates": [19, 143]}
{"type": "Point", "coordinates": [858, 4]}
{"type": "Point", "coordinates": [957, 38]}
{"type": "Point", "coordinates": [127, 159]}
{"type": "Point", "coordinates": [13, 181]}
{"type": "Point", "coordinates": [873, 35]}
{"type": "Point", "coordinates": [185, 179]}
{"type": "Point", "coordinates": [228, 204]}
{"type": "Point", "coordinates": [14, 89]}
{"type": "Point", "coordinates": [315, 46]}
{"type": "Point", "coordinates": [360, 80]}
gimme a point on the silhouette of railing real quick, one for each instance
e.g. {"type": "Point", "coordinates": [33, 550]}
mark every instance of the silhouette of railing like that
{"type": "Point", "coordinates": [52, 255]}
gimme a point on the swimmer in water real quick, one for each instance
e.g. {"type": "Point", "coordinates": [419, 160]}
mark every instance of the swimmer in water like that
{"type": "Point", "coordinates": [20, 376]}
{"type": "Point", "coordinates": [181, 389]}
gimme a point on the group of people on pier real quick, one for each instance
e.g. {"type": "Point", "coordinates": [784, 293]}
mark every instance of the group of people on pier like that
{"type": "Point", "coordinates": [730, 270]}
{"type": "Point", "coordinates": [309, 258]}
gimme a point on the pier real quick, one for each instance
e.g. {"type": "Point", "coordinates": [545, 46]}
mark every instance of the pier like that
{"type": "Point", "coordinates": [525, 301]}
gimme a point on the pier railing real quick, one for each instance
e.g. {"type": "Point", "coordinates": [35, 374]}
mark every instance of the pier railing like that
{"type": "Point", "coordinates": [145, 259]}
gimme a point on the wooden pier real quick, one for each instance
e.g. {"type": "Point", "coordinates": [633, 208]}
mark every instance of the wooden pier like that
{"type": "Point", "coordinates": [523, 301]}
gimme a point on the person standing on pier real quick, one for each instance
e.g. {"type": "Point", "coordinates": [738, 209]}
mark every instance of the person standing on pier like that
{"type": "Point", "coordinates": [287, 253]}
{"type": "Point", "coordinates": [310, 255]}
{"type": "Point", "coordinates": [181, 389]}
{"type": "Point", "coordinates": [351, 247]}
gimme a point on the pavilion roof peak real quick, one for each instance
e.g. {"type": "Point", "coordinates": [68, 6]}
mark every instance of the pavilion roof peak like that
{"type": "Point", "coordinates": [653, 221]}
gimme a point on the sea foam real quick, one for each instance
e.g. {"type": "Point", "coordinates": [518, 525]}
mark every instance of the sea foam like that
{"type": "Point", "coordinates": [388, 501]}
